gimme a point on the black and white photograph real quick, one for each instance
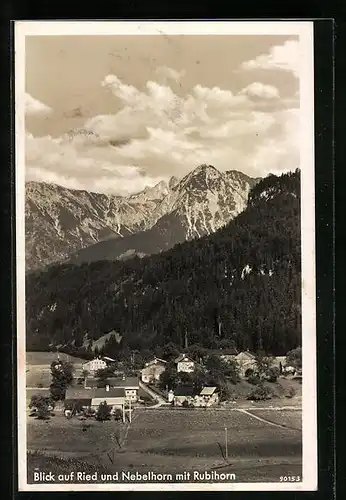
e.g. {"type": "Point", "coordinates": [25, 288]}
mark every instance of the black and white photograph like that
{"type": "Point", "coordinates": [165, 254]}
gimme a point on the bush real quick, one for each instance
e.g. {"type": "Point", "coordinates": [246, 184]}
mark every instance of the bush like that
{"type": "Point", "coordinates": [272, 374]}
{"type": "Point", "coordinates": [185, 404]}
{"type": "Point", "coordinates": [118, 414]}
{"type": "Point", "coordinates": [103, 412]}
{"type": "Point", "coordinates": [41, 406]}
{"type": "Point", "coordinates": [260, 393]}
{"type": "Point", "coordinates": [90, 412]}
{"type": "Point", "coordinates": [294, 358]}
{"type": "Point", "coordinates": [249, 372]}
{"type": "Point", "coordinates": [290, 393]}
{"type": "Point", "coordinates": [254, 379]}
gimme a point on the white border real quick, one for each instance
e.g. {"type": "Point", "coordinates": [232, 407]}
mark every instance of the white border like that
{"type": "Point", "coordinates": [304, 30]}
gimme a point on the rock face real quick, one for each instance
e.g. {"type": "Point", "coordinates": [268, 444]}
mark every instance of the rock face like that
{"type": "Point", "coordinates": [84, 226]}
{"type": "Point", "coordinates": [61, 221]}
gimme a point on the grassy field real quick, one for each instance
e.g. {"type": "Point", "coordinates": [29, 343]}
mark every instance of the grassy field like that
{"type": "Point", "coordinates": [286, 418]}
{"type": "Point", "coordinates": [38, 367]}
{"type": "Point", "coordinates": [46, 358]}
{"type": "Point", "coordinates": [36, 377]}
{"type": "Point", "coordinates": [201, 434]}
{"type": "Point", "coordinates": [68, 437]}
{"type": "Point", "coordinates": [280, 389]}
{"type": "Point", "coordinates": [166, 441]}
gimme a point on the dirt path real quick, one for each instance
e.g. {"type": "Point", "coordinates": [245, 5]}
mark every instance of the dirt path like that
{"type": "Point", "coordinates": [266, 421]}
{"type": "Point", "coordinates": [153, 395]}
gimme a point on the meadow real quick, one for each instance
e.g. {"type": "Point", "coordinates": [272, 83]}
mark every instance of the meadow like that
{"type": "Point", "coordinates": [34, 358]}
{"type": "Point", "coordinates": [166, 441]}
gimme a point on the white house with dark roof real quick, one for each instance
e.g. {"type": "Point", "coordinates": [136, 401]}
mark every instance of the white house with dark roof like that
{"type": "Point", "coordinates": [91, 398]}
{"type": "Point", "coordinates": [184, 363]}
{"type": "Point", "coordinates": [182, 394]}
{"type": "Point", "coordinates": [77, 395]}
{"type": "Point", "coordinates": [130, 386]}
{"type": "Point", "coordinates": [246, 360]}
{"type": "Point", "coordinates": [153, 370]}
{"type": "Point", "coordinates": [113, 397]}
{"type": "Point", "coordinates": [95, 364]}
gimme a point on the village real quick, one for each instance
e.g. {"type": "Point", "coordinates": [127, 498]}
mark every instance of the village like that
{"type": "Point", "coordinates": [99, 389]}
{"type": "Point", "coordinates": [171, 415]}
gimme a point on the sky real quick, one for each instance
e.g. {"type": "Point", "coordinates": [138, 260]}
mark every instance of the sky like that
{"type": "Point", "coordinates": [115, 114]}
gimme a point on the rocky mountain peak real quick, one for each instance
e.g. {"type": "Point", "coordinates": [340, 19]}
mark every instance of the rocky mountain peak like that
{"type": "Point", "coordinates": [173, 182]}
{"type": "Point", "coordinates": [61, 222]}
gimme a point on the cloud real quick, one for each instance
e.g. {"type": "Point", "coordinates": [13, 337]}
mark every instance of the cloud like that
{"type": "Point", "coordinates": [158, 133]}
{"type": "Point", "coordinates": [257, 89]}
{"type": "Point", "coordinates": [280, 153]}
{"type": "Point", "coordinates": [33, 107]}
{"type": "Point", "coordinates": [280, 57]}
{"type": "Point", "coordinates": [169, 74]}
{"type": "Point", "coordinates": [55, 161]}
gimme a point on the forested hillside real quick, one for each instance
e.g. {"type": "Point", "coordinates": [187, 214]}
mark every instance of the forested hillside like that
{"type": "Point", "coordinates": [237, 287]}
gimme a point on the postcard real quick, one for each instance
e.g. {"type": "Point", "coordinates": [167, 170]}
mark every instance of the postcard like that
{"type": "Point", "coordinates": [165, 250]}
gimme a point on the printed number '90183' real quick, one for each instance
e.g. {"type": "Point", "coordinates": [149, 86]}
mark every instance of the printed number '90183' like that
{"type": "Point", "coordinates": [289, 479]}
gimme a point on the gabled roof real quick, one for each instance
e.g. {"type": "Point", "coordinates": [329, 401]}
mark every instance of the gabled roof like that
{"type": "Point", "coordinates": [247, 353]}
{"type": "Point", "coordinates": [155, 361]}
{"type": "Point", "coordinates": [184, 390]}
{"type": "Point", "coordinates": [94, 359]}
{"type": "Point", "coordinates": [129, 382]}
{"type": "Point", "coordinates": [208, 391]}
{"type": "Point", "coordinates": [112, 393]}
{"type": "Point", "coordinates": [78, 393]}
{"type": "Point", "coordinates": [279, 359]}
{"type": "Point", "coordinates": [91, 382]}
{"type": "Point", "coordinates": [112, 381]}
{"type": "Point", "coordinates": [181, 357]}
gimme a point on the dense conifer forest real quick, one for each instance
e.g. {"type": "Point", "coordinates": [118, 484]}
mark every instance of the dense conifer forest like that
{"type": "Point", "coordinates": [237, 288]}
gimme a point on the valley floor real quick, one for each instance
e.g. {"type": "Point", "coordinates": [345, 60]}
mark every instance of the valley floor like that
{"type": "Point", "coordinates": [263, 443]}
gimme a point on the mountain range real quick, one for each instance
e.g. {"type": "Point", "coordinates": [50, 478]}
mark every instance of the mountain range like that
{"type": "Point", "coordinates": [245, 276]}
{"type": "Point", "coordinates": [81, 226]}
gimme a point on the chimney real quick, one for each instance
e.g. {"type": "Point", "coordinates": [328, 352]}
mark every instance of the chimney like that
{"type": "Point", "coordinates": [107, 388]}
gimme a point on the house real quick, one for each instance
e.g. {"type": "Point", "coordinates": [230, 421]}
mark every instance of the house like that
{"type": "Point", "coordinates": [183, 393]}
{"type": "Point", "coordinates": [91, 398]}
{"type": "Point", "coordinates": [224, 354]}
{"type": "Point", "coordinates": [108, 360]}
{"type": "Point", "coordinates": [209, 395]}
{"type": "Point", "coordinates": [289, 370]}
{"type": "Point", "coordinates": [130, 386]}
{"type": "Point", "coordinates": [76, 395]}
{"type": "Point", "coordinates": [153, 370]}
{"type": "Point", "coordinates": [228, 354]}
{"type": "Point", "coordinates": [113, 397]}
{"type": "Point", "coordinates": [184, 364]}
{"type": "Point", "coordinates": [91, 382]}
{"type": "Point", "coordinates": [95, 364]}
{"type": "Point", "coordinates": [246, 360]}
